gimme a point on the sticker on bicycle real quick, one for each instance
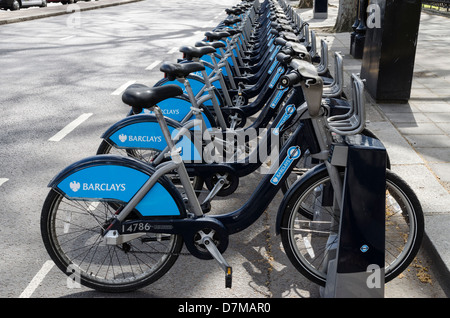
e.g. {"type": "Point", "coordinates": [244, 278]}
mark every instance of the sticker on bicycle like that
{"type": "Point", "coordinates": [277, 98]}
{"type": "Point", "coordinates": [272, 67]}
{"type": "Point", "coordinates": [290, 109]}
{"type": "Point", "coordinates": [120, 183]}
{"type": "Point", "coordinates": [292, 154]}
{"type": "Point", "coordinates": [276, 77]}
{"type": "Point", "coordinates": [271, 48]}
{"type": "Point", "coordinates": [274, 53]}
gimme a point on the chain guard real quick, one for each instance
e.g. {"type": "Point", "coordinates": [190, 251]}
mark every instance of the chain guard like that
{"type": "Point", "coordinates": [209, 226]}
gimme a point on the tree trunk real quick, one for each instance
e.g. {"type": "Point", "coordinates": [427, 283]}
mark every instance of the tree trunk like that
{"type": "Point", "coordinates": [347, 14]}
{"type": "Point", "coordinates": [305, 4]}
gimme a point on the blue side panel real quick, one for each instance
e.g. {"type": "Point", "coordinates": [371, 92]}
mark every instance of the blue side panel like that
{"type": "Point", "coordinates": [175, 108]}
{"type": "Point", "coordinates": [158, 202]}
{"type": "Point", "coordinates": [195, 85]}
{"type": "Point", "coordinates": [209, 70]}
{"type": "Point", "coordinates": [103, 182]}
{"type": "Point", "coordinates": [208, 60]}
{"type": "Point", "coordinates": [148, 135]}
{"type": "Point", "coordinates": [112, 182]}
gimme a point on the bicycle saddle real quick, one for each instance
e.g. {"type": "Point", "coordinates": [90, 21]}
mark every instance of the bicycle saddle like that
{"type": "Point", "coordinates": [233, 11]}
{"type": "Point", "coordinates": [191, 52]}
{"type": "Point", "coordinates": [213, 36]}
{"type": "Point", "coordinates": [280, 26]}
{"type": "Point", "coordinates": [231, 21]}
{"type": "Point", "coordinates": [290, 36]}
{"type": "Point", "coordinates": [230, 31]}
{"type": "Point", "coordinates": [142, 96]}
{"type": "Point", "coordinates": [174, 70]}
{"type": "Point", "coordinates": [215, 44]}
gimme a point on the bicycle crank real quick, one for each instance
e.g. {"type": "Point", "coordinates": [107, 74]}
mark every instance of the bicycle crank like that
{"type": "Point", "coordinates": [208, 241]}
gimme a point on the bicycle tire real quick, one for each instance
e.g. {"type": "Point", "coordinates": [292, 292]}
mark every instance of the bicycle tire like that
{"type": "Point", "coordinates": [309, 259]}
{"type": "Point", "coordinates": [72, 234]}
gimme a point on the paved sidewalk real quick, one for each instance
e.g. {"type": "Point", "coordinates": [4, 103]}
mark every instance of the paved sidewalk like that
{"type": "Point", "coordinates": [416, 134]}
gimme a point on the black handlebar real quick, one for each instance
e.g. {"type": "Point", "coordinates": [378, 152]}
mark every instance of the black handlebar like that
{"type": "Point", "coordinates": [290, 79]}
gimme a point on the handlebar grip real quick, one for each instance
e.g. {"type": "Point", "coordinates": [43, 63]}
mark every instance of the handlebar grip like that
{"type": "Point", "coordinates": [280, 41]}
{"type": "Point", "coordinates": [290, 79]}
{"type": "Point", "coordinates": [283, 58]}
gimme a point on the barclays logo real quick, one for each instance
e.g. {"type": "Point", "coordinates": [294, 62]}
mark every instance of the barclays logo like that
{"type": "Point", "coordinates": [123, 138]}
{"type": "Point", "coordinates": [75, 186]}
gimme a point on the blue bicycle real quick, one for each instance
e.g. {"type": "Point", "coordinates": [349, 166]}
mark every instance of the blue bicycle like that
{"type": "Point", "coordinates": [121, 223]}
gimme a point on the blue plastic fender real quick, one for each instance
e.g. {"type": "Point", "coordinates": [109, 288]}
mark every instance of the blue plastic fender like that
{"type": "Point", "coordinates": [197, 83]}
{"type": "Point", "coordinates": [117, 178]}
{"type": "Point", "coordinates": [144, 132]}
{"type": "Point", "coordinates": [178, 108]}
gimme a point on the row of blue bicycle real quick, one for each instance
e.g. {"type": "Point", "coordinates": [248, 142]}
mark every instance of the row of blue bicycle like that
{"type": "Point", "coordinates": [255, 94]}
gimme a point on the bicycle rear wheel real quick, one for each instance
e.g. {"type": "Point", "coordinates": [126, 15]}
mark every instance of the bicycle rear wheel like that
{"type": "Point", "coordinates": [72, 234]}
{"type": "Point", "coordinates": [306, 239]}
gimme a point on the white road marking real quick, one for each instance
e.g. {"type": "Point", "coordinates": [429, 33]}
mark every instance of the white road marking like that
{"type": "Point", "coordinates": [173, 50]}
{"type": "Point", "coordinates": [67, 37]}
{"type": "Point", "coordinates": [3, 180]}
{"type": "Point", "coordinates": [153, 65]}
{"type": "Point", "coordinates": [66, 130]}
{"type": "Point", "coordinates": [37, 279]}
{"type": "Point", "coordinates": [122, 88]}
{"type": "Point", "coordinates": [208, 24]}
{"type": "Point", "coordinates": [309, 247]}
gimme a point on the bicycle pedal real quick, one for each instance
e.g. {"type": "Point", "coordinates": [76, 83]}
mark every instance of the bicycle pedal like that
{"type": "Point", "coordinates": [206, 207]}
{"type": "Point", "coordinates": [228, 277]}
{"type": "Point", "coordinates": [219, 258]}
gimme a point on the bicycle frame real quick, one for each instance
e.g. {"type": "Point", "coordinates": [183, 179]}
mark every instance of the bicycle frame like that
{"type": "Point", "coordinates": [238, 220]}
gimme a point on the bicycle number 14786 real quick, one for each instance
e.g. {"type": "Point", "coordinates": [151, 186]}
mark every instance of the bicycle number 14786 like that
{"type": "Point", "coordinates": [136, 227]}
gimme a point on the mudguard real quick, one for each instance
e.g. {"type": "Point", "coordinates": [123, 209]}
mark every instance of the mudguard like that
{"type": "Point", "coordinates": [178, 108]}
{"type": "Point", "coordinates": [117, 178]}
{"type": "Point", "coordinates": [144, 132]}
{"type": "Point", "coordinates": [197, 84]}
{"type": "Point", "coordinates": [292, 191]}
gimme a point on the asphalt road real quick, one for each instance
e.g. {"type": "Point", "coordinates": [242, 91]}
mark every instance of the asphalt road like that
{"type": "Point", "coordinates": [72, 69]}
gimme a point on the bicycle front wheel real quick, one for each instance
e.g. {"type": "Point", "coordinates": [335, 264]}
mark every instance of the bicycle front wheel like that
{"type": "Point", "coordinates": [72, 231]}
{"type": "Point", "coordinates": [307, 238]}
